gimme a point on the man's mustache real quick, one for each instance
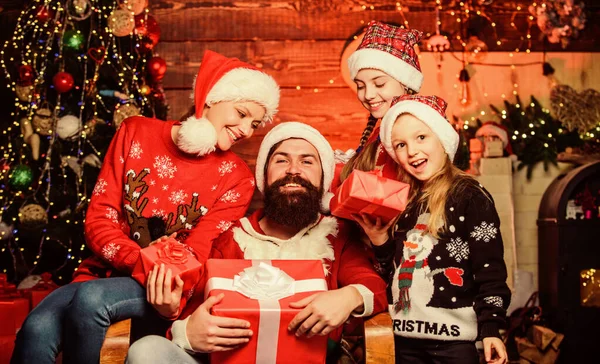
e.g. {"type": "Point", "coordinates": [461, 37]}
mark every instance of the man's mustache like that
{"type": "Point", "coordinates": [293, 179]}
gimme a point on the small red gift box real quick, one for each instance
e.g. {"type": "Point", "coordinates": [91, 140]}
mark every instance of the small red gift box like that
{"type": "Point", "coordinates": [175, 256]}
{"type": "Point", "coordinates": [42, 289]}
{"type": "Point", "coordinates": [260, 292]}
{"type": "Point", "coordinates": [370, 193]}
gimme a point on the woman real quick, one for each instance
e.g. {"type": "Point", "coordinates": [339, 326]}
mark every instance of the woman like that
{"type": "Point", "coordinates": [158, 178]}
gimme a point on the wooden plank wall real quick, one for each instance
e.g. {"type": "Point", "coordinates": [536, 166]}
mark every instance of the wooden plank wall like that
{"type": "Point", "coordinates": [300, 43]}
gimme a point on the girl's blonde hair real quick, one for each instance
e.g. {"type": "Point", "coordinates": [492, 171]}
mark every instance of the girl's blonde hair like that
{"type": "Point", "coordinates": [433, 194]}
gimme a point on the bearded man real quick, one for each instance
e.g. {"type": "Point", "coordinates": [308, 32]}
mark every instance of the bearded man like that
{"type": "Point", "coordinates": [294, 168]}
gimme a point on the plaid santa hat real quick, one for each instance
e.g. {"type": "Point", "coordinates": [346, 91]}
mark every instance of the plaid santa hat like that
{"type": "Point", "coordinates": [429, 109]}
{"type": "Point", "coordinates": [224, 79]}
{"type": "Point", "coordinates": [297, 130]}
{"type": "Point", "coordinates": [390, 49]}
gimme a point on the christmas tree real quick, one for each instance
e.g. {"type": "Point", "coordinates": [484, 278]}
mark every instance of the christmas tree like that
{"type": "Point", "coordinates": [77, 68]}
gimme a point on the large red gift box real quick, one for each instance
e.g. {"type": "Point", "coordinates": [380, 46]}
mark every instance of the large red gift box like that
{"type": "Point", "coordinates": [371, 194]}
{"type": "Point", "coordinates": [260, 291]}
{"type": "Point", "coordinates": [175, 256]}
{"type": "Point", "coordinates": [7, 345]}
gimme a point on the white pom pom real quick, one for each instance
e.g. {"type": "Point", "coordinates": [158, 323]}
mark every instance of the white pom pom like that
{"type": "Point", "coordinates": [197, 136]}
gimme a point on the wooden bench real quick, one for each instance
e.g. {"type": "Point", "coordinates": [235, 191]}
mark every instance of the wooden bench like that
{"type": "Point", "coordinates": [379, 341]}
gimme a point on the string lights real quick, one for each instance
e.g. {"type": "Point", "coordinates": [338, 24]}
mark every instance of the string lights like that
{"type": "Point", "coordinates": [70, 64]}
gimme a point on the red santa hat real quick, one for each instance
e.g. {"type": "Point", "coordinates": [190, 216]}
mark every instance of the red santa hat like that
{"type": "Point", "coordinates": [224, 79]}
{"type": "Point", "coordinates": [390, 49]}
{"type": "Point", "coordinates": [491, 128]}
{"type": "Point", "coordinates": [297, 130]}
{"type": "Point", "coordinates": [429, 109]}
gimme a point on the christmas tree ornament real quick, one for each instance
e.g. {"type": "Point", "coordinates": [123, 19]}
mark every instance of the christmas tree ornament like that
{"type": "Point", "coordinates": [30, 137]}
{"type": "Point", "coordinates": [6, 231]}
{"type": "Point", "coordinates": [26, 75]}
{"type": "Point", "coordinates": [44, 14]}
{"type": "Point", "coordinates": [79, 9]}
{"type": "Point", "coordinates": [20, 177]}
{"type": "Point", "coordinates": [23, 92]}
{"type": "Point", "coordinates": [32, 216]}
{"type": "Point", "coordinates": [121, 22]}
{"type": "Point", "coordinates": [157, 68]}
{"type": "Point", "coordinates": [97, 54]}
{"type": "Point", "coordinates": [145, 90]}
{"type": "Point", "coordinates": [145, 45]}
{"type": "Point", "coordinates": [63, 82]}
{"type": "Point", "coordinates": [42, 121]}
{"type": "Point", "coordinates": [73, 39]}
{"type": "Point", "coordinates": [136, 6]}
{"type": "Point", "coordinates": [68, 127]}
{"type": "Point", "coordinates": [146, 25]}
{"type": "Point", "coordinates": [90, 126]}
{"type": "Point", "coordinates": [123, 112]}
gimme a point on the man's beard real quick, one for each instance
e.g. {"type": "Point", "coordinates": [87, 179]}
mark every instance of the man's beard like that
{"type": "Point", "coordinates": [296, 209]}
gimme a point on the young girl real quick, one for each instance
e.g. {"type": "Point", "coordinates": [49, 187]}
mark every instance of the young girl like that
{"type": "Point", "coordinates": [385, 65]}
{"type": "Point", "coordinates": [445, 258]}
{"type": "Point", "coordinates": [158, 178]}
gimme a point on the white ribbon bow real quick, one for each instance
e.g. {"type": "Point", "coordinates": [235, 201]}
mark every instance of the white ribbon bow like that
{"type": "Point", "coordinates": [264, 282]}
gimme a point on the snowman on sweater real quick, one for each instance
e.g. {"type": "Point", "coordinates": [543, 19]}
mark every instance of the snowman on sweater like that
{"type": "Point", "coordinates": [413, 287]}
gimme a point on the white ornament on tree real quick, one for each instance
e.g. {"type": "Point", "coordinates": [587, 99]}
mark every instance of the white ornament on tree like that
{"type": "Point", "coordinates": [121, 22]}
{"type": "Point", "coordinates": [68, 127]}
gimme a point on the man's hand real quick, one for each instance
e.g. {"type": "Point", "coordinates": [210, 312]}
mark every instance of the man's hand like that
{"type": "Point", "coordinates": [376, 231]}
{"type": "Point", "coordinates": [324, 312]}
{"type": "Point", "coordinates": [491, 346]}
{"type": "Point", "coordinates": [207, 333]}
{"type": "Point", "coordinates": [159, 293]}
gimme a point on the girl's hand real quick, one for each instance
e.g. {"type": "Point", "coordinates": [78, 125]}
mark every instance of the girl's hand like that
{"type": "Point", "coordinates": [376, 231]}
{"type": "Point", "coordinates": [207, 333]}
{"type": "Point", "coordinates": [324, 312]}
{"type": "Point", "coordinates": [495, 351]}
{"type": "Point", "coordinates": [159, 293]}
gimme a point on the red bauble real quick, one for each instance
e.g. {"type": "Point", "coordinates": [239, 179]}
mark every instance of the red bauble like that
{"type": "Point", "coordinates": [145, 45]}
{"type": "Point", "coordinates": [44, 14]}
{"type": "Point", "coordinates": [26, 75]}
{"type": "Point", "coordinates": [157, 68]}
{"type": "Point", "coordinates": [63, 82]}
{"type": "Point", "coordinates": [146, 25]}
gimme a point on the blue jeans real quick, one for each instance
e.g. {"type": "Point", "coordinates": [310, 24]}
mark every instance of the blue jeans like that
{"type": "Point", "coordinates": [76, 317]}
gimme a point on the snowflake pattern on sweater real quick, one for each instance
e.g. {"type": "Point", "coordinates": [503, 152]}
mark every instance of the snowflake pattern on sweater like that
{"type": "Point", "coordinates": [460, 293]}
{"type": "Point", "coordinates": [147, 188]}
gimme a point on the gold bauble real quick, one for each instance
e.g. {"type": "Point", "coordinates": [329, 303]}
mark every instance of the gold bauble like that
{"type": "Point", "coordinates": [123, 112]}
{"type": "Point", "coordinates": [121, 22]}
{"type": "Point", "coordinates": [33, 215]}
{"type": "Point", "coordinates": [90, 127]}
{"type": "Point", "coordinates": [42, 121]}
{"type": "Point", "coordinates": [23, 92]}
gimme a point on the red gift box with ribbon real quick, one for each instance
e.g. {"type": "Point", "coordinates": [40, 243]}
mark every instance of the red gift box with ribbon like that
{"type": "Point", "coordinates": [370, 193]}
{"type": "Point", "coordinates": [175, 256]}
{"type": "Point", "coordinates": [260, 291]}
{"type": "Point", "coordinates": [7, 345]}
{"type": "Point", "coordinates": [42, 289]}
{"type": "Point", "coordinates": [14, 309]}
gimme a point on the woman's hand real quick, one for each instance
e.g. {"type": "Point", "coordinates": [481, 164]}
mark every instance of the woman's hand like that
{"type": "Point", "coordinates": [159, 293]}
{"type": "Point", "coordinates": [376, 231]}
{"type": "Point", "coordinates": [207, 333]}
{"type": "Point", "coordinates": [494, 345]}
{"type": "Point", "coordinates": [324, 312]}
